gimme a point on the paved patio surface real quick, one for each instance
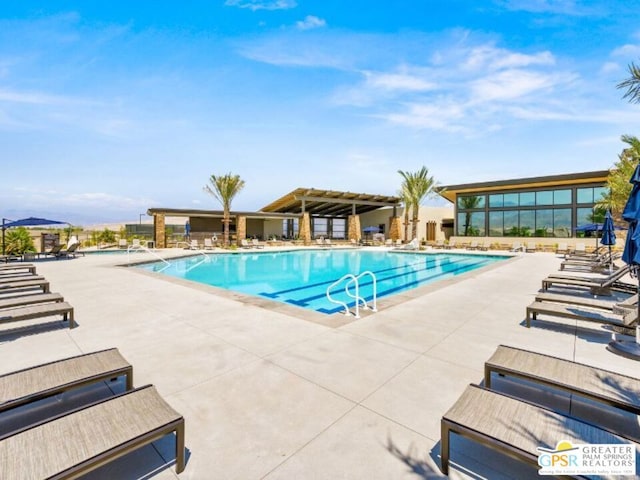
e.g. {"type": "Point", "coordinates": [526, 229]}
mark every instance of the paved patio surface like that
{"type": "Point", "coordinates": [269, 395]}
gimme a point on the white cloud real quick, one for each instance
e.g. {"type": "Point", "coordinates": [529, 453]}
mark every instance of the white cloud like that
{"type": "Point", "coordinates": [629, 50]}
{"type": "Point", "coordinates": [610, 67]}
{"type": "Point", "coordinates": [490, 57]}
{"type": "Point", "coordinates": [38, 98]}
{"type": "Point", "coordinates": [513, 84]}
{"type": "Point", "coordinates": [262, 4]}
{"type": "Point", "coordinates": [310, 22]}
{"type": "Point", "coordinates": [398, 81]}
{"type": "Point", "coordinates": [562, 7]}
{"type": "Point", "coordinates": [442, 116]}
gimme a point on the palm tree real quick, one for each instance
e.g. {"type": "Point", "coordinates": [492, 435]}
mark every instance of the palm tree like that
{"type": "Point", "coordinates": [224, 188]}
{"type": "Point", "coordinates": [632, 84]}
{"type": "Point", "coordinates": [618, 184]}
{"type": "Point", "coordinates": [468, 203]}
{"type": "Point", "coordinates": [419, 185]}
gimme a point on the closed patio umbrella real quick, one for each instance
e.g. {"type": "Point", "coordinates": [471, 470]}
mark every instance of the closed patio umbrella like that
{"type": "Point", "coordinates": [631, 256]}
{"type": "Point", "coordinates": [608, 235]}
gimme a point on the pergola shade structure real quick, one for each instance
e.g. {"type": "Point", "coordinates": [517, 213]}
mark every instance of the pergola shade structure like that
{"type": "Point", "coordinates": [329, 203]}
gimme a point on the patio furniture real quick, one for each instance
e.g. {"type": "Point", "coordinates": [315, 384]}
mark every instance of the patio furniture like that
{"type": "Point", "coordinates": [71, 251]}
{"type": "Point", "coordinates": [531, 247]}
{"type": "Point", "coordinates": [576, 312]}
{"type": "Point", "coordinates": [42, 381]}
{"type": "Point", "coordinates": [486, 245]}
{"type": "Point", "coordinates": [514, 427]}
{"type": "Point", "coordinates": [79, 441]}
{"type": "Point", "coordinates": [245, 244]}
{"type": "Point", "coordinates": [473, 245]}
{"type": "Point", "coordinates": [591, 264]}
{"type": "Point", "coordinates": [122, 243]}
{"type": "Point", "coordinates": [438, 244]}
{"type": "Point", "coordinates": [22, 300]}
{"type": "Point", "coordinates": [517, 247]}
{"type": "Point", "coordinates": [562, 248]}
{"type": "Point", "coordinates": [19, 277]}
{"type": "Point", "coordinates": [21, 285]}
{"type": "Point", "coordinates": [584, 301]}
{"type": "Point", "coordinates": [30, 267]}
{"type": "Point", "coordinates": [38, 311]}
{"type": "Point", "coordinates": [611, 388]}
{"type": "Point", "coordinates": [599, 286]}
{"type": "Point", "coordinates": [208, 244]}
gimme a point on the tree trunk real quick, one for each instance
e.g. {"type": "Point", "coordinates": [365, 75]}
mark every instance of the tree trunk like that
{"type": "Point", "coordinates": [414, 221]}
{"type": "Point", "coordinates": [406, 223]}
{"type": "Point", "coordinates": [225, 226]}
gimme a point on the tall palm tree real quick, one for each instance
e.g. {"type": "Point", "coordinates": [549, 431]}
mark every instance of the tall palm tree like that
{"type": "Point", "coordinates": [419, 185]}
{"type": "Point", "coordinates": [224, 188]}
{"type": "Point", "coordinates": [618, 184]}
{"type": "Point", "coordinates": [632, 84]}
{"type": "Point", "coordinates": [468, 203]}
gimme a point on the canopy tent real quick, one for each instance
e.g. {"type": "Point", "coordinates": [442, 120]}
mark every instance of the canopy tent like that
{"type": "Point", "coordinates": [26, 222]}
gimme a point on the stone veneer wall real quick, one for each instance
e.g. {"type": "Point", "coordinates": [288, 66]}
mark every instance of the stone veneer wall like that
{"type": "Point", "coordinates": [395, 232]}
{"type": "Point", "coordinates": [354, 228]}
{"type": "Point", "coordinates": [305, 228]}
{"type": "Point", "coordinates": [241, 229]}
{"type": "Point", "coordinates": [159, 230]}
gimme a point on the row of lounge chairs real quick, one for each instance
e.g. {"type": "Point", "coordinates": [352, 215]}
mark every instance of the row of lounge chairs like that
{"type": "Point", "coordinates": [82, 439]}
{"type": "Point", "coordinates": [24, 295]}
{"type": "Point", "coordinates": [511, 422]}
{"type": "Point", "coordinates": [517, 427]}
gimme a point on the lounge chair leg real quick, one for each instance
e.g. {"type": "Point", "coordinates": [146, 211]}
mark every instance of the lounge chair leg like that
{"type": "Point", "coordinates": [444, 447]}
{"type": "Point", "coordinates": [529, 317]}
{"type": "Point", "coordinates": [129, 379]}
{"type": "Point", "coordinates": [487, 377]}
{"type": "Point", "coordinates": [72, 322]}
{"type": "Point", "coordinates": [180, 457]}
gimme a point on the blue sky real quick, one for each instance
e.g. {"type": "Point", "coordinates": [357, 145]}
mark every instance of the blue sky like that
{"type": "Point", "coordinates": [110, 108]}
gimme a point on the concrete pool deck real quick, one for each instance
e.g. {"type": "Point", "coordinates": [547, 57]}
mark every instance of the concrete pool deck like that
{"type": "Point", "coordinates": [267, 395]}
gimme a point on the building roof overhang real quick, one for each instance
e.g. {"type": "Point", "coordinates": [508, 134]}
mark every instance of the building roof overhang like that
{"type": "Point", "coordinates": [450, 192]}
{"type": "Point", "coordinates": [185, 212]}
{"type": "Point", "coordinates": [329, 203]}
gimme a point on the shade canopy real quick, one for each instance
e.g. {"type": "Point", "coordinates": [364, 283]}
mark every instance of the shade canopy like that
{"type": "Point", "coordinates": [31, 222]}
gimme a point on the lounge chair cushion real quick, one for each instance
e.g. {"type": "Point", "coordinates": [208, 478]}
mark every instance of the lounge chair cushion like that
{"type": "Point", "coordinates": [80, 441]}
{"type": "Point", "coordinates": [35, 383]}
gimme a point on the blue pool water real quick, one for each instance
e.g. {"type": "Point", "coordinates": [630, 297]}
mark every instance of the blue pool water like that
{"type": "Point", "coordinates": [301, 278]}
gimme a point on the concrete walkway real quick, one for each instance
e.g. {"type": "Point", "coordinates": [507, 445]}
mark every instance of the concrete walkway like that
{"type": "Point", "coordinates": [267, 395]}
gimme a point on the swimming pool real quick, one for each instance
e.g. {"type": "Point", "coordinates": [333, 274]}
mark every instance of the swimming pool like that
{"type": "Point", "coordinates": [301, 278]}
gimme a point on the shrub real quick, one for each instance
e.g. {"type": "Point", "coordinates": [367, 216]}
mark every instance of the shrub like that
{"type": "Point", "coordinates": [18, 241]}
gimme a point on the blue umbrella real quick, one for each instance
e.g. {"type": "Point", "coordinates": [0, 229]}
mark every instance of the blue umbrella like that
{"type": "Point", "coordinates": [631, 256]}
{"type": "Point", "coordinates": [26, 222]}
{"type": "Point", "coordinates": [608, 235]}
{"type": "Point", "coordinates": [371, 229]}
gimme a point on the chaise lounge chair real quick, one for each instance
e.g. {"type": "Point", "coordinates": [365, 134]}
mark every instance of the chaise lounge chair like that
{"type": "Point", "coordinates": [598, 286]}
{"type": "Point", "coordinates": [19, 277]}
{"type": "Point", "coordinates": [245, 244]}
{"type": "Point", "coordinates": [30, 267]}
{"type": "Point", "coordinates": [514, 427]}
{"type": "Point", "coordinates": [78, 442]}
{"type": "Point", "coordinates": [23, 300]}
{"type": "Point", "coordinates": [412, 245]}
{"type": "Point", "coordinates": [71, 251]}
{"type": "Point", "coordinates": [23, 285]}
{"type": "Point", "coordinates": [584, 301]}
{"type": "Point", "coordinates": [531, 247]}
{"type": "Point", "coordinates": [596, 384]}
{"type": "Point", "coordinates": [38, 311]}
{"type": "Point", "coordinates": [576, 312]}
{"type": "Point", "coordinates": [42, 381]}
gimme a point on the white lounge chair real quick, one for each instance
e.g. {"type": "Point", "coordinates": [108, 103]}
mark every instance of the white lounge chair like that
{"type": "Point", "coordinates": [256, 243]}
{"type": "Point", "coordinates": [208, 244]}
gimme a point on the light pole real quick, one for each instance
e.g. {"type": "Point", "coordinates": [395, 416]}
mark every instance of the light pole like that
{"type": "Point", "coordinates": [141, 215]}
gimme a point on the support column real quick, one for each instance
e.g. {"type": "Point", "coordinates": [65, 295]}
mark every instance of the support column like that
{"type": "Point", "coordinates": [354, 228]}
{"type": "Point", "coordinates": [241, 229]}
{"type": "Point", "coordinates": [395, 231]}
{"type": "Point", "coordinates": [159, 230]}
{"type": "Point", "coordinates": [305, 228]}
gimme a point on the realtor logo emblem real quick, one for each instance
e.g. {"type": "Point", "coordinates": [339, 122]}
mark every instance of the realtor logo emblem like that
{"type": "Point", "coordinates": [587, 459]}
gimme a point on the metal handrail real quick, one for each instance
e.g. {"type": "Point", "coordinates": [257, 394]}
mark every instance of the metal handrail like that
{"type": "Point", "coordinates": [337, 282]}
{"type": "Point", "coordinates": [355, 280]}
{"type": "Point", "coordinates": [138, 248]}
{"type": "Point", "coordinates": [375, 290]}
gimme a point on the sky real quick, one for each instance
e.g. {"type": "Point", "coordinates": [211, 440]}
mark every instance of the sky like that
{"type": "Point", "coordinates": [108, 109]}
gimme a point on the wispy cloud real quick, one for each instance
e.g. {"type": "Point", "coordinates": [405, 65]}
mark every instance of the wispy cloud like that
{"type": "Point", "coordinates": [630, 51]}
{"type": "Point", "coordinates": [310, 22]}
{"type": "Point", "coordinates": [561, 7]}
{"type": "Point", "coordinates": [262, 4]}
